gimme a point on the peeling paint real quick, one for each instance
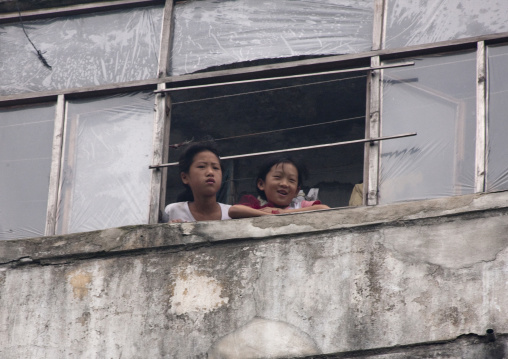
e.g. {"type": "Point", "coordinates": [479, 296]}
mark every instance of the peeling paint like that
{"type": "Point", "coordinates": [187, 228]}
{"type": "Point", "coordinates": [193, 292]}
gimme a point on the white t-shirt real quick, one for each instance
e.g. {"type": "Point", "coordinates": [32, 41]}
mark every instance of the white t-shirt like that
{"type": "Point", "coordinates": [180, 210]}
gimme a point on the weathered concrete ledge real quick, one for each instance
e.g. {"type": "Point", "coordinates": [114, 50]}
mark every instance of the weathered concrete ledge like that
{"type": "Point", "coordinates": [188, 235]}
{"type": "Point", "coordinates": [465, 346]}
{"type": "Point", "coordinates": [416, 279]}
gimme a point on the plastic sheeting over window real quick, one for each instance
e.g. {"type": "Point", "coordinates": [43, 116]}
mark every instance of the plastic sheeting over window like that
{"type": "Point", "coordinates": [497, 165]}
{"type": "Point", "coordinates": [108, 148]}
{"type": "Point", "coordinates": [26, 137]}
{"type": "Point", "coordinates": [414, 22]}
{"type": "Point", "coordinates": [85, 50]}
{"type": "Point", "coordinates": [212, 33]}
{"type": "Point", "coordinates": [436, 99]}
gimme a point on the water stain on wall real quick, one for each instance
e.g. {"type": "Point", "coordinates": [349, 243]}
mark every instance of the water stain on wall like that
{"type": "Point", "coordinates": [79, 281]}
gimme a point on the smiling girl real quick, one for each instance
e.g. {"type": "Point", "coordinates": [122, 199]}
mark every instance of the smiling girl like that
{"type": "Point", "coordinates": [201, 174]}
{"type": "Point", "coordinates": [278, 182]}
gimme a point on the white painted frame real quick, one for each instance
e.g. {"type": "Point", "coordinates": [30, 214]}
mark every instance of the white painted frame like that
{"type": "Point", "coordinates": [54, 177]}
{"type": "Point", "coordinates": [481, 118]}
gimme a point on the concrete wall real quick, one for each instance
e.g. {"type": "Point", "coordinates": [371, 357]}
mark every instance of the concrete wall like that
{"type": "Point", "coordinates": [421, 279]}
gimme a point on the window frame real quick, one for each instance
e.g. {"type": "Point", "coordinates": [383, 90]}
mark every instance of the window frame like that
{"type": "Point", "coordinates": [162, 114]}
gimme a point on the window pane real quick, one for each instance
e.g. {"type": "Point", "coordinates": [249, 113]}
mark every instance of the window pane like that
{"type": "Point", "coordinates": [108, 148]}
{"type": "Point", "coordinates": [497, 167]}
{"type": "Point", "coordinates": [276, 115]}
{"type": "Point", "coordinates": [26, 138]}
{"type": "Point", "coordinates": [414, 22]}
{"type": "Point", "coordinates": [212, 33]}
{"type": "Point", "coordinates": [436, 99]}
{"type": "Point", "coordinates": [85, 50]}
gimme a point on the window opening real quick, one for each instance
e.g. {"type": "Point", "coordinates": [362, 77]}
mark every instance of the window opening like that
{"type": "Point", "coordinates": [272, 116]}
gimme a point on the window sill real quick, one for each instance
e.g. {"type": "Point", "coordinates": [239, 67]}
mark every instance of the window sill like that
{"type": "Point", "coordinates": [138, 239]}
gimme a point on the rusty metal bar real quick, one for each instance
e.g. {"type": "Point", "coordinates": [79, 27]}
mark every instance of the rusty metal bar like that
{"type": "Point", "coordinates": [363, 140]}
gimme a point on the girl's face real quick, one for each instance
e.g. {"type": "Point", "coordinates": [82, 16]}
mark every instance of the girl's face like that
{"type": "Point", "coordinates": [205, 175]}
{"type": "Point", "coordinates": [280, 185]}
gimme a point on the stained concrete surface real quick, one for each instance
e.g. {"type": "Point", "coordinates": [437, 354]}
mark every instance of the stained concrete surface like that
{"type": "Point", "coordinates": [348, 280]}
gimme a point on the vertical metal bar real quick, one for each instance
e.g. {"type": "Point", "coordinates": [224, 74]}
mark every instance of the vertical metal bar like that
{"type": "Point", "coordinates": [161, 120]}
{"type": "Point", "coordinates": [481, 118]}
{"type": "Point", "coordinates": [373, 130]}
{"type": "Point", "coordinates": [165, 145]}
{"type": "Point", "coordinates": [366, 147]}
{"type": "Point", "coordinates": [56, 160]}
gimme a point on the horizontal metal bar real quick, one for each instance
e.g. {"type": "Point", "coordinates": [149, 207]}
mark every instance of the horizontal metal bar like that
{"type": "Point", "coordinates": [363, 140]}
{"type": "Point", "coordinates": [355, 69]}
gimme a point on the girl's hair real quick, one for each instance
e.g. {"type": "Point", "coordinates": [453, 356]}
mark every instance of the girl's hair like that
{"type": "Point", "coordinates": [185, 162]}
{"type": "Point", "coordinates": [276, 160]}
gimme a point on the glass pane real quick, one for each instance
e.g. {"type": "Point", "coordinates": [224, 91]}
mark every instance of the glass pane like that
{"type": "Point", "coordinates": [414, 22]}
{"type": "Point", "coordinates": [85, 50]}
{"type": "Point", "coordinates": [212, 33]}
{"type": "Point", "coordinates": [497, 167]}
{"type": "Point", "coordinates": [26, 138]}
{"type": "Point", "coordinates": [435, 99]}
{"type": "Point", "coordinates": [276, 115]}
{"type": "Point", "coordinates": [108, 148]}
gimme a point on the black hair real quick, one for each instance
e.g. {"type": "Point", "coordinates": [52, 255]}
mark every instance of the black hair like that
{"type": "Point", "coordinates": [185, 162]}
{"type": "Point", "coordinates": [276, 160]}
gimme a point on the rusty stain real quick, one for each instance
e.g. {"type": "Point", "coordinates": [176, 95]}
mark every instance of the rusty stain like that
{"type": "Point", "coordinates": [79, 281]}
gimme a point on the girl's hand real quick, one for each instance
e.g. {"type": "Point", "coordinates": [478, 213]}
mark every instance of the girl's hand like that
{"type": "Point", "coordinates": [270, 210]}
{"type": "Point", "coordinates": [177, 221]}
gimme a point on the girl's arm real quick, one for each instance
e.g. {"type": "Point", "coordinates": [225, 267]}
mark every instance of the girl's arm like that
{"type": "Point", "coordinates": [305, 209]}
{"type": "Point", "coordinates": [241, 211]}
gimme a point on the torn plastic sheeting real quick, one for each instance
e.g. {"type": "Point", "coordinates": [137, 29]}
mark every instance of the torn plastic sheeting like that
{"type": "Point", "coordinates": [415, 22]}
{"type": "Point", "coordinates": [212, 33]}
{"type": "Point", "coordinates": [108, 149]}
{"type": "Point", "coordinates": [84, 50]}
